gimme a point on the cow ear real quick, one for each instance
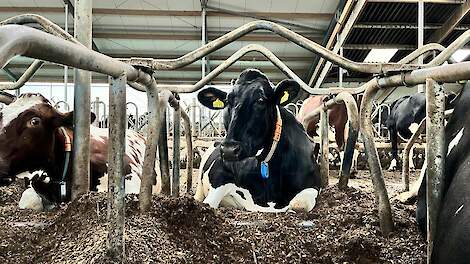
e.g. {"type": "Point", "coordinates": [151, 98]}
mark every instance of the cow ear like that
{"type": "Point", "coordinates": [212, 98]}
{"type": "Point", "coordinates": [67, 119]}
{"type": "Point", "coordinates": [286, 91]}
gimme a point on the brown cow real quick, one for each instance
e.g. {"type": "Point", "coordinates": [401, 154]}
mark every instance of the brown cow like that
{"type": "Point", "coordinates": [33, 136]}
{"type": "Point", "coordinates": [337, 119]}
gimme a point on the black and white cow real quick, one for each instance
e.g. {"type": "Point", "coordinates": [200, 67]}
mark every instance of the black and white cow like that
{"type": "Point", "coordinates": [265, 162]}
{"type": "Point", "coordinates": [452, 240]}
{"type": "Point", "coordinates": [405, 115]}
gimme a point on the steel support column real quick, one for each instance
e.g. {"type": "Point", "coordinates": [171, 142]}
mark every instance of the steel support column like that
{"type": "Point", "coordinates": [81, 139]}
{"type": "Point", "coordinates": [116, 173]}
{"type": "Point", "coordinates": [66, 68]}
{"type": "Point", "coordinates": [420, 36]}
{"type": "Point", "coordinates": [324, 162]}
{"type": "Point", "coordinates": [175, 186]}
{"type": "Point", "coordinates": [435, 156]}
{"type": "Point", "coordinates": [163, 156]}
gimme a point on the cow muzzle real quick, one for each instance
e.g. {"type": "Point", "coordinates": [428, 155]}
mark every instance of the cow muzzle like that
{"type": "Point", "coordinates": [231, 150]}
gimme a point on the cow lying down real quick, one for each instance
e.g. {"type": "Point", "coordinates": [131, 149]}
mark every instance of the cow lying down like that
{"type": "Point", "coordinates": [266, 161]}
{"type": "Point", "coordinates": [35, 136]}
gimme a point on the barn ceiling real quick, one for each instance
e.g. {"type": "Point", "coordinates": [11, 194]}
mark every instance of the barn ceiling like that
{"type": "Point", "coordinates": [169, 29]}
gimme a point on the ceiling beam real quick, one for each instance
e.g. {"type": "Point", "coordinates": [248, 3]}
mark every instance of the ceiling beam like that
{"type": "Point", "coordinates": [180, 13]}
{"type": "Point", "coordinates": [378, 46]}
{"type": "Point", "coordinates": [159, 36]}
{"type": "Point", "coordinates": [440, 34]}
{"type": "Point", "coordinates": [321, 72]}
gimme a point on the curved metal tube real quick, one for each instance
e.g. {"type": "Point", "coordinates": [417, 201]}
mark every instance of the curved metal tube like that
{"type": "Point", "coordinates": [24, 78]}
{"type": "Point", "coordinates": [171, 64]}
{"type": "Point", "coordinates": [45, 23]}
{"type": "Point", "coordinates": [30, 42]}
{"type": "Point", "coordinates": [185, 88]}
{"type": "Point", "coordinates": [156, 104]}
{"type": "Point", "coordinates": [405, 173]}
{"type": "Point", "coordinates": [385, 212]}
{"type": "Point", "coordinates": [423, 50]}
{"type": "Point", "coordinates": [451, 49]}
{"type": "Point", "coordinates": [353, 120]}
{"type": "Point", "coordinates": [49, 27]}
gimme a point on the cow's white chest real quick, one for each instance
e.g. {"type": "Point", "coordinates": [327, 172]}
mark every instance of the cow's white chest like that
{"type": "Point", "coordinates": [30, 200]}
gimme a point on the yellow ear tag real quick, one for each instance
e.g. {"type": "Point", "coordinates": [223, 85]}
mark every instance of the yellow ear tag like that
{"type": "Point", "coordinates": [218, 104]}
{"type": "Point", "coordinates": [285, 97]}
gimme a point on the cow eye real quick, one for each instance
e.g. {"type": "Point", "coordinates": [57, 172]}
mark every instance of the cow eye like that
{"type": "Point", "coordinates": [260, 101]}
{"type": "Point", "coordinates": [35, 121]}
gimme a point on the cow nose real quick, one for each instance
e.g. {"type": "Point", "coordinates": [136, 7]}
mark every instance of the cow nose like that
{"type": "Point", "coordinates": [230, 150]}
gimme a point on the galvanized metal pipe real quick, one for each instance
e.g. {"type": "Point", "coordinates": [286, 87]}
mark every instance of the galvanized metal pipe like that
{"type": "Point", "coordinates": [189, 151]}
{"type": "Point", "coordinates": [33, 43]}
{"type": "Point", "coordinates": [189, 142]}
{"type": "Point", "coordinates": [156, 103]}
{"type": "Point", "coordinates": [435, 156]}
{"type": "Point", "coordinates": [240, 53]}
{"type": "Point", "coordinates": [171, 64]}
{"type": "Point", "coordinates": [66, 68]}
{"type": "Point", "coordinates": [116, 172]}
{"type": "Point", "coordinates": [324, 142]}
{"type": "Point", "coordinates": [163, 156]}
{"type": "Point", "coordinates": [381, 196]}
{"type": "Point", "coordinates": [175, 186]}
{"type": "Point", "coordinates": [24, 78]}
{"type": "Point", "coordinates": [405, 175]}
{"type": "Point", "coordinates": [81, 113]}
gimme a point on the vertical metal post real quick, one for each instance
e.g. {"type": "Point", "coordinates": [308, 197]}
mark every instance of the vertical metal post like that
{"type": "Point", "coordinates": [204, 60]}
{"type": "Point", "coordinates": [340, 73]}
{"type": "Point", "coordinates": [116, 152]}
{"type": "Point", "coordinates": [66, 68]}
{"type": "Point", "coordinates": [163, 155]}
{"type": "Point", "coordinates": [96, 109]}
{"type": "Point", "coordinates": [175, 186]}
{"type": "Point", "coordinates": [324, 162]}
{"type": "Point", "coordinates": [193, 117]}
{"type": "Point", "coordinates": [153, 128]}
{"type": "Point", "coordinates": [81, 139]}
{"type": "Point", "coordinates": [435, 154]}
{"type": "Point", "coordinates": [420, 36]}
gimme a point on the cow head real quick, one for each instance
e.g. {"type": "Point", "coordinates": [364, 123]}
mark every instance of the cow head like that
{"type": "Point", "coordinates": [27, 128]}
{"type": "Point", "coordinates": [249, 112]}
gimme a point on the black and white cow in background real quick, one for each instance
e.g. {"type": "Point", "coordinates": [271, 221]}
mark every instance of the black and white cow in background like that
{"type": "Point", "coordinates": [405, 115]}
{"type": "Point", "coordinates": [265, 162]}
{"type": "Point", "coordinates": [452, 238]}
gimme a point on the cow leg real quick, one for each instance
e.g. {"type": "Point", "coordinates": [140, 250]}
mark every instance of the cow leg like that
{"type": "Point", "coordinates": [216, 195]}
{"type": "Point", "coordinates": [394, 141]}
{"type": "Point", "coordinates": [410, 159]}
{"type": "Point", "coordinates": [354, 161]}
{"type": "Point", "coordinates": [304, 201]}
